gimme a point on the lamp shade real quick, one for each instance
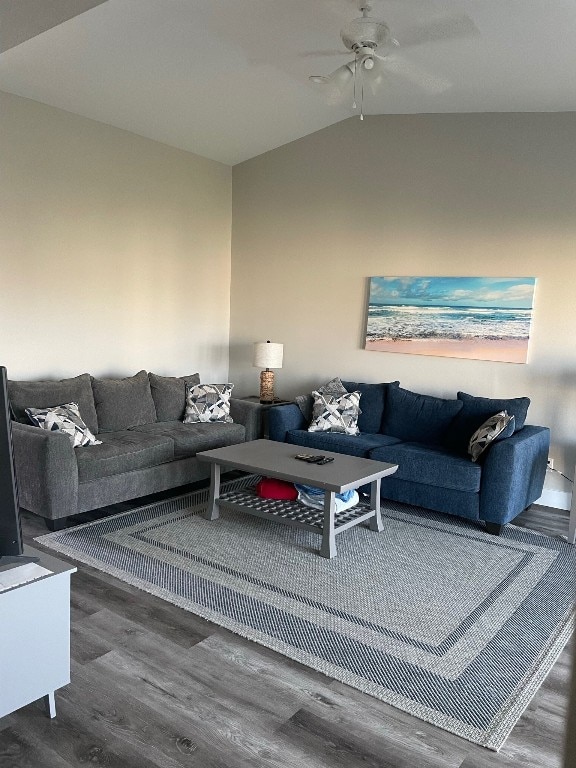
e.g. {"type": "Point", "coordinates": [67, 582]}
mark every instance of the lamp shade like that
{"type": "Point", "coordinates": [268, 354]}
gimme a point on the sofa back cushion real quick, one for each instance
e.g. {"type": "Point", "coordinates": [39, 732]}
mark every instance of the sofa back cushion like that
{"type": "Point", "coordinates": [418, 418]}
{"type": "Point", "coordinates": [476, 410]}
{"type": "Point", "coordinates": [123, 403]}
{"type": "Point", "coordinates": [47, 394]}
{"type": "Point", "coordinates": [372, 403]}
{"type": "Point", "coordinates": [169, 395]}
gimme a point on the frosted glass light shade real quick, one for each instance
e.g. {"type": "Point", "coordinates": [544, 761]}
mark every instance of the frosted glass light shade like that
{"type": "Point", "coordinates": [268, 354]}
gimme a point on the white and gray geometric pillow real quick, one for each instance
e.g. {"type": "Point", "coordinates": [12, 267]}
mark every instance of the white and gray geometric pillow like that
{"type": "Point", "coordinates": [333, 387]}
{"type": "Point", "coordinates": [63, 418]}
{"type": "Point", "coordinates": [487, 433]}
{"type": "Point", "coordinates": [208, 403]}
{"type": "Point", "coordinates": [335, 414]}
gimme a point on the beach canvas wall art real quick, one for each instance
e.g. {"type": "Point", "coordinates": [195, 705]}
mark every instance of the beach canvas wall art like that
{"type": "Point", "coordinates": [480, 318]}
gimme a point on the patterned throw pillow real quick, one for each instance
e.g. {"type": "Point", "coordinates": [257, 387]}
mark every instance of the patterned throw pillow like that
{"type": "Point", "coordinates": [335, 414]}
{"type": "Point", "coordinates": [63, 418]}
{"type": "Point", "coordinates": [333, 387]}
{"type": "Point", "coordinates": [208, 403]}
{"type": "Point", "coordinates": [488, 433]}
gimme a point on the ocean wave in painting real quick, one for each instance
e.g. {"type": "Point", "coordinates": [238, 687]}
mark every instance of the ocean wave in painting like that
{"type": "Point", "coordinates": [413, 322]}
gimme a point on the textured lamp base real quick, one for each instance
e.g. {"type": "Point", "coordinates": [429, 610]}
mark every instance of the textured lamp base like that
{"type": "Point", "coordinates": [267, 386]}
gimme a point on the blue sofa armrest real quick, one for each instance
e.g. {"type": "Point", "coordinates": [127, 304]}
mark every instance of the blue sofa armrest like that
{"type": "Point", "coordinates": [513, 474]}
{"type": "Point", "coordinates": [283, 418]}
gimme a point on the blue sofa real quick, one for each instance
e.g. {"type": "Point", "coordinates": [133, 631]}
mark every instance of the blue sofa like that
{"type": "Point", "coordinates": [428, 438]}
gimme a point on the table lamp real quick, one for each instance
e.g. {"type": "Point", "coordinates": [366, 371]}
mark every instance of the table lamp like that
{"type": "Point", "coordinates": [267, 355]}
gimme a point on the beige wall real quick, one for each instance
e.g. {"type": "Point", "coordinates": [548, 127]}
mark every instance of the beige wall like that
{"type": "Point", "coordinates": [487, 195]}
{"type": "Point", "coordinates": [114, 250]}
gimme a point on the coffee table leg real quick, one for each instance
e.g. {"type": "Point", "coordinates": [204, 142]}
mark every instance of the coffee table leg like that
{"type": "Point", "coordinates": [212, 511]}
{"type": "Point", "coordinates": [376, 521]}
{"type": "Point", "coordinates": [328, 548]}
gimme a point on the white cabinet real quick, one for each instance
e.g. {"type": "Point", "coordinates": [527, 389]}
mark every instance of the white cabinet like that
{"type": "Point", "coordinates": [35, 636]}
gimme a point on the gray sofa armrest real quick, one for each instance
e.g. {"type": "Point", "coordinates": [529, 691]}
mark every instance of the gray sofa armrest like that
{"type": "Point", "coordinates": [46, 471]}
{"type": "Point", "coordinates": [249, 415]}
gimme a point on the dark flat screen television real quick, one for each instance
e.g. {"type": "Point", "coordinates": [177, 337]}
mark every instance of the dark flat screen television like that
{"type": "Point", "coordinates": [11, 546]}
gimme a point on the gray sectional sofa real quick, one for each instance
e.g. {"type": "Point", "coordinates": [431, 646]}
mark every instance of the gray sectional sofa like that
{"type": "Point", "coordinates": [145, 446]}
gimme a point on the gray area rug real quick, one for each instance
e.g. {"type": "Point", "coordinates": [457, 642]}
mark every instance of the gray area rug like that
{"type": "Point", "coordinates": [434, 616]}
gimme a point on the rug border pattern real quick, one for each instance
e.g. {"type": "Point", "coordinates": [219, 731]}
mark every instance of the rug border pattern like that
{"type": "Point", "coordinates": [491, 737]}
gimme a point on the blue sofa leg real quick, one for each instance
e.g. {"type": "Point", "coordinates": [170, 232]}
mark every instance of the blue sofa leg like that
{"type": "Point", "coordinates": [494, 528]}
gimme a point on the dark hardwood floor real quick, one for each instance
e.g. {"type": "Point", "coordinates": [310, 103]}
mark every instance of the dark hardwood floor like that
{"type": "Point", "coordinates": [154, 686]}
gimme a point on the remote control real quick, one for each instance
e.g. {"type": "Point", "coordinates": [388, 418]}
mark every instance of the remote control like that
{"type": "Point", "coordinates": [325, 460]}
{"type": "Point", "coordinates": [309, 457]}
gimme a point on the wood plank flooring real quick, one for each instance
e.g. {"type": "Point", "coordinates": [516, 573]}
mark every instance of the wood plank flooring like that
{"type": "Point", "coordinates": [156, 687]}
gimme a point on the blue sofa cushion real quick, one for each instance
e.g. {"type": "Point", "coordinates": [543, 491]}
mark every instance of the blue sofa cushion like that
{"type": "Point", "coordinates": [372, 403]}
{"type": "Point", "coordinates": [476, 410]}
{"type": "Point", "coordinates": [353, 445]}
{"type": "Point", "coordinates": [418, 418]}
{"type": "Point", "coordinates": [430, 465]}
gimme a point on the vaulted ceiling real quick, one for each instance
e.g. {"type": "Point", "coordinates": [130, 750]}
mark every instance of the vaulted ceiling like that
{"type": "Point", "coordinates": [228, 79]}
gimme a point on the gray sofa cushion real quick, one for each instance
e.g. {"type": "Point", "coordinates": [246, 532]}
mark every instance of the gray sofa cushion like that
{"type": "Point", "coordinates": [430, 465]}
{"type": "Point", "coordinates": [190, 439]}
{"type": "Point", "coordinates": [122, 452]}
{"type": "Point", "coordinates": [123, 403]}
{"type": "Point", "coordinates": [47, 394]}
{"type": "Point", "coordinates": [169, 395]}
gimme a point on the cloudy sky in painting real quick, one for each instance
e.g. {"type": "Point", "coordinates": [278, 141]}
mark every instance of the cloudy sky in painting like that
{"type": "Point", "coordinates": [505, 292]}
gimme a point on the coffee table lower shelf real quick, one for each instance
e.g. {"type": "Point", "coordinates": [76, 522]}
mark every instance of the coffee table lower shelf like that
{"type": "Point", "coordinates": [293, 512]}
{"type": "Point", "coordinates": [299, 515]}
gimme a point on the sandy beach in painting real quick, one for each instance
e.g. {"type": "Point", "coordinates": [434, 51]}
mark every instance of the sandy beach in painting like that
{"type": "Point", "coordinates": [500, 350]}
{"type": "Point", "coordinates": [497, 333]}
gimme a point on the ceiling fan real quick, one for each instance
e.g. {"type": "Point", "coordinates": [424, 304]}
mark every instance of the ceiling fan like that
{"type": "Point", "coordinates": [364, 36]}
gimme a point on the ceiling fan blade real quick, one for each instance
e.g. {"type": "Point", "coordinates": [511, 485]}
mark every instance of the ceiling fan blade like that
{"type": "Point", "coordinates": [447, 28]}
{"type": "Point", "coordinates": [332, 52]}
{"type": "Point", "coordinates": [416, 75]}
{"type": "Point", "coordinates": [342, 76]}
{"type": "Point", "coordinates": [336, 83]}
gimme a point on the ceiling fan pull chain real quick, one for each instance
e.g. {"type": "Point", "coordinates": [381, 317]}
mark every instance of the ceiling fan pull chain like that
{"type": "Point", "coordinates": [355, 71]}
{"type": "Point", "coordinates": [361, 97]}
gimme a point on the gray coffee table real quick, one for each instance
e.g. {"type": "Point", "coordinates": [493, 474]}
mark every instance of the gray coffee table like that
{"type": "Point", "coordinates": [272, 459]}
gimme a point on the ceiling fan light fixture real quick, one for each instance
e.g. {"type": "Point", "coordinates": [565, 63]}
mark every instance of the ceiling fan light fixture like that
{"type": "Point", "coordinates": [365, 32]}
{"type": "Point", "coordinates": [371, 44]}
